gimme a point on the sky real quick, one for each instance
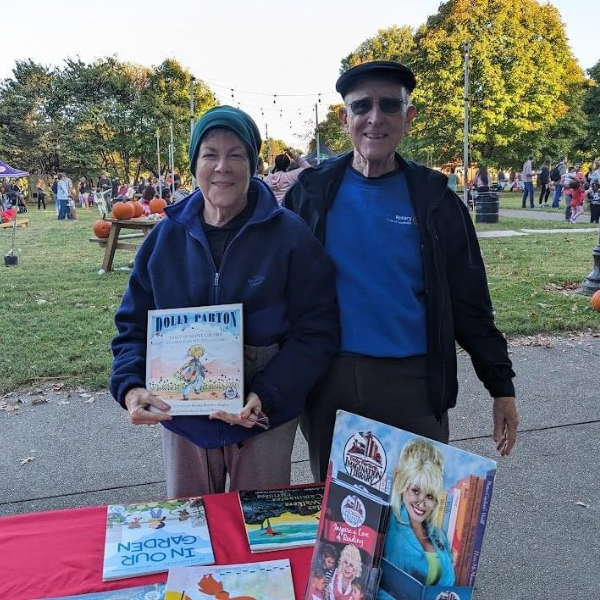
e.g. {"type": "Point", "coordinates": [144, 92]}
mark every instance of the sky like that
{"type": "Point", "coordinates": [258, 48]}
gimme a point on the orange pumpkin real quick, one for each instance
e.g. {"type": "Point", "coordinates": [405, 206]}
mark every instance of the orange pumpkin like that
{"type": "Point", "coordinates": [157, 205]}
{"type": "Point", "coordinates": [101, 228]}
{"type": "Point", "coordinates": [595, 300]}
{"type": "Point", "coordinates": [123, 210]}
{"type": "Point", "coordinates": [138, 209]}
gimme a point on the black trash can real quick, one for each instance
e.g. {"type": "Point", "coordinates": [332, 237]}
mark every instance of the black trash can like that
{"type": "Point", "coordinates": [487, 207]}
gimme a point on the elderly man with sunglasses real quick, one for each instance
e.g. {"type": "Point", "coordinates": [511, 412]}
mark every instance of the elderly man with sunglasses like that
{"type": "Point", "coordinates": [409, 273]}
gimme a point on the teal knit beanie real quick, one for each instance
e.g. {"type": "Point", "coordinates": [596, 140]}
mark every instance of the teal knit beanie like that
{"type": "Point", "coordinates": [233, 119]}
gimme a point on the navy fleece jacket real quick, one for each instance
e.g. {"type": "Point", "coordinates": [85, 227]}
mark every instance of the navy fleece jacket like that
{"type": "Point", "coordinates": [274, 267]}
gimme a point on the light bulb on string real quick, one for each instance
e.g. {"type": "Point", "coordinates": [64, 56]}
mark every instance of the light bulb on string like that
{"type": "Point", "coordinates": [274, 98]}
{"type": "Point", "coordinates": [281, 114]}
{"type": "Point", "coordinates": [319, 97]}
{"type": "Point", "coordinates": [232, 96]}
{"type": "Point", "coordinates": [262, 112]}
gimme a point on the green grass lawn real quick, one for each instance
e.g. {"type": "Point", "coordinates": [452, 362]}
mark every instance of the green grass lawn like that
{"type": "Point", "coordinates": [57, 311]}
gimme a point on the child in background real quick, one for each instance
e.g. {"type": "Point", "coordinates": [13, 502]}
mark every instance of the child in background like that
{"type": "Point", "coordinates": [577, 197]}
{"type": "Point", "coordinates": [72, 212]}
{"type": "Point", "coordinates": [594, 198]}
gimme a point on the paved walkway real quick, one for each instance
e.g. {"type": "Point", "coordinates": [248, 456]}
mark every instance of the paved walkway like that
{"type": "Point", "coordinates": [536, 215]}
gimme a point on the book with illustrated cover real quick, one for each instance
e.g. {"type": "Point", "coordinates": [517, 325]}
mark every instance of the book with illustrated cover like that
{"type": "Point", "coordinates": [144, 592]}
{"type": "Point", "coordinates": [438, 498]}
{"type": "Point", "coordinates": [151, 537]}
{"type": "Point", "coordinates": [267, 580]}
{"type": "Point", "coordinates": [278, 519]}
{"type": "Point", "coordinates": [195, 358]}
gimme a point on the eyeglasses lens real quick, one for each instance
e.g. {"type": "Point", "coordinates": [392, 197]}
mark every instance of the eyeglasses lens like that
{"type": "Point", "coordinates": [389, 106]}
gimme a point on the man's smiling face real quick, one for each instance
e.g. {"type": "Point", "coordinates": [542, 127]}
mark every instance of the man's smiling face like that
{"type": "Point", "coordinates": [376, 134]}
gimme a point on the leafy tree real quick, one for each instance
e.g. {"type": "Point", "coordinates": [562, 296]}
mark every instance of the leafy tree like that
{"type": "Point", "coordinates": [524, 79]}
{"type": "Point", "coordinates": [271, 148]}
{"type": "Point", "coordinates": [394, 43]}
{"type": "Point", "coordinates": [85, 118]}
{"type": "Point", "coordinates": [27, 137]}
{"type": "Point", "coordinates": [331, 132]}
{"type": "Point", "coordinates": [591, 107]}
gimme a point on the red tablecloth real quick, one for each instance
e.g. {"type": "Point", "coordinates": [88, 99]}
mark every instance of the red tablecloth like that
{"type": "Point", "coordinates": [59, 553]}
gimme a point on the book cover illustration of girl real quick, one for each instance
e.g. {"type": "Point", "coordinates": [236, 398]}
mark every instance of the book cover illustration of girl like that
{"type": "Point", "coordinates": [193, 372]}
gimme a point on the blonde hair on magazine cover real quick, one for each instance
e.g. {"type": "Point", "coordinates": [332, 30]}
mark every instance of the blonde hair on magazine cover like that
{"type": "Point", "coordinates": [421, 464]}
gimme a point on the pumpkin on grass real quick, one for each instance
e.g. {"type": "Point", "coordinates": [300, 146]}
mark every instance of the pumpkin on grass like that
{"type": "Point", "coordinates": [101, 228]}
{"type": "Point", "coordinates": [595, 300]}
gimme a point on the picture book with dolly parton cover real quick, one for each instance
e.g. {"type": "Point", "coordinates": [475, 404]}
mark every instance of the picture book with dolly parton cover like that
{"type": "Point", "coordinates": [195, 358]}
{"type": "Point", "coordinates": [438, 491]}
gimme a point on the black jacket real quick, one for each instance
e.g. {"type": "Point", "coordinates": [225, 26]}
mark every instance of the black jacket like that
{"type": "Point", "coordinates": [458, 304]}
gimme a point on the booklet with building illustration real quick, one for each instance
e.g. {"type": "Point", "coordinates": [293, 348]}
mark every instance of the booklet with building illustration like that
{"type": "Point", "coordinates": [152, 537]}
{"type": "Point", "coordinates": [195, 358]}
{"type": "Point", "coordinates": [284, 518]}
{"type": "Point", "coordinates": [434, 502]}
{"type": "Point", "coordinates": [267, 580]}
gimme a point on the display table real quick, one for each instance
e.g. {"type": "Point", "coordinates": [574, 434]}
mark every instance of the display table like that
{"type": "Point", "coordinates": [60, 553]}
{"type": "Point", "coordinates": [142, 224]}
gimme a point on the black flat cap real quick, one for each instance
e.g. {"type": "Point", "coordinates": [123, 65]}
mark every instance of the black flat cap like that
{"type": "Point", "coordinates": [384, 69]}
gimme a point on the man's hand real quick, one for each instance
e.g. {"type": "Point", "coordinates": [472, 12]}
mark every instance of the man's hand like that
{"type": "Point", "coordinates": [137, 401]}
{"type": "Point", "coordinates": [248, 416]}
{"type": "Point", "coordinates": [505, 424]}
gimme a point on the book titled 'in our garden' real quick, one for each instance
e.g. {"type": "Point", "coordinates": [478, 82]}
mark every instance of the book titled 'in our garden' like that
{"type": "Point", "coordinates": [150, 538]}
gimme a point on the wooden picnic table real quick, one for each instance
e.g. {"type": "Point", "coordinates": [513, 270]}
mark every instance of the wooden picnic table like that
{"type": "Point", "coordinates": [142, 226]}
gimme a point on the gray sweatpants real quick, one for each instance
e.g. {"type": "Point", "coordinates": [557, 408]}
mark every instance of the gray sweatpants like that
{"type": "Point", "coordinates": [261, 462]}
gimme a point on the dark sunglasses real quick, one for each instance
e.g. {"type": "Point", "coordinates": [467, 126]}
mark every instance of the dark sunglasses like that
{"type": "Point", "coordinates": [389, 106]}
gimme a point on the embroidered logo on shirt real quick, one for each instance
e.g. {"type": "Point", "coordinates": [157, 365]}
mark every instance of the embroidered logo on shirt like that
{"type": "Point", "coordinates": [256, 280]}
{"type": "Point", "coordinates": [402, 220]}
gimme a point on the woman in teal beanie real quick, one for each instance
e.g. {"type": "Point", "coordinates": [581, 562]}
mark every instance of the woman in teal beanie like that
{"type": "Point", "coordinates": [230, 242]}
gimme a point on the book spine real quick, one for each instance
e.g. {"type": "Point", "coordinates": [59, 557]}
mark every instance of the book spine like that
{"type": "Point", "coordinates": [460, 520]}
{"type": "Point", "coordinates": [453, 514]}
{"type": "Point", "coordinates": [488, 486]}
{"type": "Point", "coordinates": [441, 510]}
{"type": "Point", "coordinates": [470, 534]}
{"type": "Point", "coordinates": [447, 511]}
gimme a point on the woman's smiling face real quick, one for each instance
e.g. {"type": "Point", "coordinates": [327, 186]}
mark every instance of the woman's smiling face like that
{"type": "Point", "coordinates": [419, 503]}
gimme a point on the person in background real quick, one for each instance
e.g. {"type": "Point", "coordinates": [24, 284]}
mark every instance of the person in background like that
{"type": "Point", "coordinates": [148, 194]}
{"type": "Point", "coordinates": [527, 175]}
{"type": "Point", "coordinates": [234, 244]}
{"type": "Point", "coordinates": [573, 175]}
{"type": "Point", "coordinates": [260, 168]}
{"type": "Point", "coordinates": [63, 195]}
{"type": "Point", "coordinates": [41, 193]}
{"type": "Point", "coordinates": [482, 180]}
{"type": "Point", "coordinates": [594, 174]}
{"type": "Point", "coordinates": [410, 278]}
{"type": "Point", "coordinates": [594, 200]}
{"type": "Point", "coordinates": [577, 199]}
{"type": "Point", "coordinates": [544, 181]}
{"type": "Point", "coordinates": [561, 169]}
{"type": "Point", "coordinates": [453, 179]}
{"type": "Point", "coordinates": [180, 191]}
{"type": "Point", "coordinates": [280, 180]}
